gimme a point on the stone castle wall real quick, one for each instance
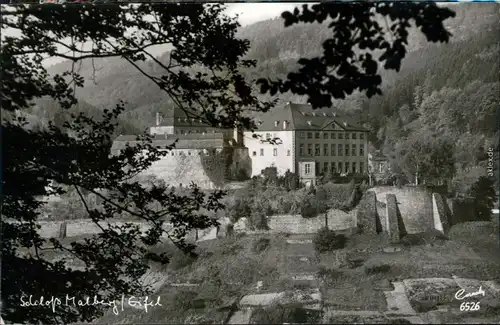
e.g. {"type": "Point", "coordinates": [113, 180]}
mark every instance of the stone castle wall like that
{"type": "Point", "coordinates": [181, 167]}
{"type": "Point", "coordinates": [413, 202]}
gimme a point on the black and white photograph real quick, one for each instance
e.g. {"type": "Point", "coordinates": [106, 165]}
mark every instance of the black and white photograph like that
{"type": "Point", "coordinates": [249, 163]}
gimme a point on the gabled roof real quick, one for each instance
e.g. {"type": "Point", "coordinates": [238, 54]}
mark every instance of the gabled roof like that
{"type": "Point", "coordinates": [267, 121]}
{"type": "Point", "coordinates": [188, 141]}
{"type": "Point", "coordinates": [179, 117]}
{"type": "Point", "coordinates": [304, 117]}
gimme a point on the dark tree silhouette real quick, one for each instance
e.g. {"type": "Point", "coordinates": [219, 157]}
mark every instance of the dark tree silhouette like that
{"type": "Point", "coordinates": [359, 30]}
{"type": "Point", "coordinates": [76, 155]}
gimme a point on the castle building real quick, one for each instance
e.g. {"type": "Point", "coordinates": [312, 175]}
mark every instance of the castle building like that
{"type": "Point", "coordinates": [195, 142]}
{"type": "Point", "coordinates": [292, 137]}
{"type": "Point", "coordinates": [308, 142]}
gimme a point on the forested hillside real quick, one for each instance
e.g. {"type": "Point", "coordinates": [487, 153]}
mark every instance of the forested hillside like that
{"type": "Point", "coordinates": [277, 49]}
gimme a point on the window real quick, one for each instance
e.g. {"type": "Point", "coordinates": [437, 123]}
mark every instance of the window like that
{"type": "Point", "coordinates": [347, 149]}
{"type": "Point", "coordinates": [361, 136]}
{"type": "Point", "coordinates": [325, 167]}
{"type": "Point", "coordinates": [354, 167]}
{"type": "Point", "coordinates": [325, 149]}
{"type": "Point", "coordinates": [309, 135]}
{"type": "Point", "coordinates": [308, 169]}
{"type": "Point", "coordinates": [341, 150]}
{"type": "Point", "coordinates": [262, 152]}
{"type": "Point", "coordinates": [288, 152]}
{"type": "Point", "coordinates": [309, 149]}
{"type": "Point", "coordinates": [317, 167]}
{"type": "Point", "coordinates": [275, 151]}
{"type": "Point", "coordinates": [301, 149]}
{"type": "Point", "coordinates": [361, 167]}
{"type": "Point", "coordinates": [268, 136]}
{"type": "Point", "coordinates": [302, 135]}
{"type": "Point", "coordinates": [381, 168]}
{"type": "Point", "coordinates": [325, 135]}
{"type": "Point", "coordinates": [353, 151]}
{"type": "Point", "coordinates": [332, 170]}
{"type": "Point", "coordinates": [317, 150]}
{"type": "Point", "coordinates": [333, 149]}
{"type": "Point", "coordinates": [340, 167]}
{"type": "Point", "coordinates": [346, 167]}
{"type": "Point", "coordinates": [341, 135]}
{"type": "Point", "coordinates": [333, 135]}
{"type": "Point", "coordinates": [361, 149]}
{"type": "Point", "coordinates": [354, 136]}
{"type": "Point", "coordinates": [316, 135]}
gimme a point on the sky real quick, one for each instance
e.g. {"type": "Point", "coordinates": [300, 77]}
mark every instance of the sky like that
{"type": "Point", "coordinates": [254, 12]}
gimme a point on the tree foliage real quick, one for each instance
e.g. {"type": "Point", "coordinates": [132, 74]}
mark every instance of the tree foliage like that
{"type": "Point", "coordinates": [77, 154]}
{"type": "Point", "coordinates": [485, 197]}
{"type": "Point", "coordinates": [347, 63]}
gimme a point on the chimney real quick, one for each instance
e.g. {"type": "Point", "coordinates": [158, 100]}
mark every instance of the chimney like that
{"type": "Point", "coordinates": [276, 123]}
{"type": "Point", "coordinates": [284, 125]}
{"type": "Point", "coordinates": [158, 117]}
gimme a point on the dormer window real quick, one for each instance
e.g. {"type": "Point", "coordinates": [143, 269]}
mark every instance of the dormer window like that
{"type": "Point", "coordinates": [304, 114]}
{"type": "Point", "coordinates": [345, 124]}
{"type": "Point", "coordinates": [309, 123]}
{"type": "Point", "coordinates": [334, 114]}
{"type": "Point", "coordinates": [276, 123]}
{"type": "Point", "coordinates": [324, 114]}
{"type": "Point", "coordinates": [314, 114]}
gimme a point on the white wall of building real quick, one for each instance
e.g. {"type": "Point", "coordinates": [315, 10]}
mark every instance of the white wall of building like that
{"type": "Point", "coordinates": [280, 155]}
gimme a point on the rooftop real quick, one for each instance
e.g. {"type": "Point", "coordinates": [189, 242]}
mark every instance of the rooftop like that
{"type": "Point", "coordinates": [186, 141]}
{"type": "Point", "coordinates": [304, 117]}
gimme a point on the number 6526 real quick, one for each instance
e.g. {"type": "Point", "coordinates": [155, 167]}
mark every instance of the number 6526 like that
{"type": "Point", "coordinates": [470, 306]}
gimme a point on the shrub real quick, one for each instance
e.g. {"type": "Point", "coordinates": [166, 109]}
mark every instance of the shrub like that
{"type": "Point", "coordinates": [484, 195]}
{"type": "Point", "coordinates": [327, 240]}
{"type": "Point", "coordinates": [258, 218]}
{"type": "Point", "coordinates": [375, 269]}
{"type": "Point", "coordinates": [185, 300]}
{"type": "Point", "coordinates": [279, 314]}
{"type": "Point", "coordinates": [229, 229]}
{"type": "Point", "coordinates": [284, 205]}
{"type": "Point", "coordinates": [261, 245]}
{"type": "Point", "coordinates": [239, 208]}
{"type": "Point", "coordinates": [308, 209]}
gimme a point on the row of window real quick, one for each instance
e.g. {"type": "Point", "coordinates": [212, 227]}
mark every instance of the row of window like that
{"type": "Point", "coordinates": [275, 152]}
{"type": "Point", "coordinates": [194, 152]}
{"type": "Point", "coordinates": [337, 167]}
{"type": "Point", "coordinates": [193, 131]}
{"type": "Point", "coordinates": [332, 135]}
{"type": "Point", "coordinates": [335, 150]}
